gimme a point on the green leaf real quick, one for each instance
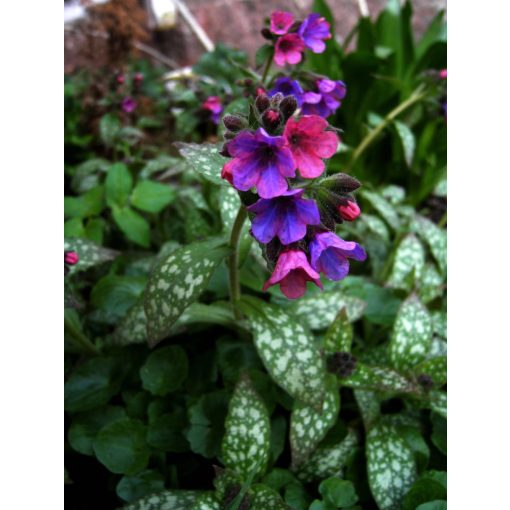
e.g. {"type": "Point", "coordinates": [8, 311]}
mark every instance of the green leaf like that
{"type": "Point", "coordinates": [390, 466]}
{"type": "Point", "coordinates": [338, 337]}
{"type": "Point", "coordinates": [435, 368]}
{"type": "Point", "coordinates": [438, 436]}
{"type": "Point", "coordinates": [206, 502]}
{"type": "Point", "coordinates": [383, 207]}
{"type": "Point", "coordinates": [426, 489]}
{"type": "Point", "coordinates": [152, 196]}
{"type": "Point", "coordinates": [377, 379]}
{"type": "Point", "coordinates": [437, 401]}
{"type": "Point", "coordinates": [288, 351]}
{"type": "Point", "coordinates": [74, 228]}
{"type": "Point", "coordinates": [118, 185]}
{"type": "Point", "coordinates": [164, 370]}
{"type": "Point", "coordinates": [121, 446]}
{"type": "Point", "coordinates": [85, 426]}
{"type": "Point", "coordinates": [329, 460]}
{"type": "Point", "coordinates": [412, 335]}
{"type": "Point", "coordinates": [132, 488]}
{"type": "Point", "coordinates": [133, 327]}
{"type": "Point", "coordinates": [431, 285]}
{"type": "Point", "coordinates": [375, 225]}
{"type": "Point", "coordinates": [308, 427]}
{"type": "Point", "coordinates": [394, 194]}
{"type": "Point", "coordinates": [166, 500]}
{"type": "Point", "coordinates": [92, 384]}
{"type": "Point", "coordinates": [264, 497]}
{"type": "Point", "coordinates": [165, 432]}
{"type": "Point", "coordinates": [135, 227]}
{"type": "Point", "coordinates": [90, 254]}
{"type": "Point", "coordinates": [409, 263]}
{"type": "Point", "coordinates": [176, 282]}
{"type": "Point", "coordinates": [109, 127]}
{"type": "Point", "coordinates": [435, 237]}
{"type": "Point", "coordinates": [407, 140]}
{"type": "Point", "coordinates": [245, 446]}
{"type": "Point", "coordinates": [369, 406]}
{"type": "Point", "coordinates": [263, 53]}
{"type": "Point", "coordinates": [340, 493]}
{"type": "Point", "coordinates": [439, 323]}
{"type": "Point", "coordinates": [89, 204]}
{"type": "Point", "coordinates": [318, 310]}
{"type": "Point", "coordinates": [205, 159]}
{"type": "Point", "coordinates": [432, 505]}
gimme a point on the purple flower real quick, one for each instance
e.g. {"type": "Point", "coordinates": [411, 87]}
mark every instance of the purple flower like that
{"type": "Point", "coordinates": [326, 100]}
{"type": "Point", "coordinates": [285, 217]}
{"type": "Point", "coordinates": [262, 161]}
{"type": "Point", "coordinates": [314, 30]}
{"type": "Point", "coordinates": [288, 87]}
{"type": "Point", "coordinates": [128, 104]}
{"type": "Point", "coordinates": [329, 254]}
{"type": "Point", "coordinates": [213, 104]}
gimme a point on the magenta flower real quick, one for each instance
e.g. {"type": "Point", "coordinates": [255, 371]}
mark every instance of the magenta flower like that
{"type": "Point", "coordinates": [285, 217]}
{"type": "Point", "coordinates": [309, 143]}
{"type": "Point", "coordinates": [261, 161]}
{"type": "Point", "coordinates": [292, 271]}
{"type": "Point", "coordinates": [128, 104]}
{"type": "Point", "coordinates": [326, 100]}
{"type": "Point", "coordinates": [329, 254]}
{"type": "Point", "coordinates": [443, 74]}
{"type": "Point", "coordinates": [213, 104]}
{"type": "Point", "coordinates": [281, 21]}
{"type": "Point", "coordinates": [288, 49]}
{"type": "Point", "coordinates": [71, 258]}
{"type": "Point", "coordinates": [314, 31]}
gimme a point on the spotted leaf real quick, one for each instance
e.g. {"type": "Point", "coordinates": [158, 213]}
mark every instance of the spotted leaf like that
{"type": "Point", "coordinates": [435, 237]}
{"type": "Point", "coordinates": [263, 497]}
{"type": "Point", "coordinates": [412, 335]}
{"type": "Point", "coordinates": [90, 254]}
{"type": "Point", "coordinates": [288, 351]}
{"type": "Point", "coordinates": [407, 140]}
{"type": "Point", "coordinates": [437, 401]}
{"type": "Point", "coordinates": [369, 406]}
{"type": "Point", "coordinates": [433, 367]}
{"type": "Point", "coordinates": [438, 347]}
{"type": "Point", "coordinates": [383, 207]}
{"type": "Point", "coordinates": [308, 426]}
{"type": "Point", "coordinates": [338, 337]}
{"type": "Point", "coordinates": [439, 323]}
{"type": "Point", "coordinates": [166, 500]}
{"type": "Point", "coordinates": [376, 225]}
{"type": "Point", "coordinates": [206, 502]}
{"type": "Point", "coordinates": [229, 206]}
{"type": "Point", "coordinates": [329, 460]}
{"type": "Point", "coordinates": [390, 466]}
{"type": "Point", "coordinates": [205, 159]}
{"type": "Point", "coordinates": [246, 441]}
{"type": "Point", "coordinates": [318, 310]}
{"type": "Point", "coordinates": [377, 379]}
{"type": "Point", "coordinates": [431, 284]}
{"type": "Point", "coordinates": [408, 264]}
{"type": "Point", "coordinates": [176, 282]}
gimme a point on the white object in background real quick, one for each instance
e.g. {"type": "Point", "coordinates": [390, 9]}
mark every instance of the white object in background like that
{"type": "Point", "coordinates": [74, 11]}
{"type": "Point", "coordinates": [162, 14]}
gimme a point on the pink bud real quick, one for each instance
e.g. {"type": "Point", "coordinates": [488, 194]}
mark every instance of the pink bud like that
{"type": "Point", "coordinates": [120, 79]}
{"type": "Point", "coordinates": [259, 91]}
{"type": "Point", "coordinates": [71, 258]}
{"type": "Point", "coordinates": [138, 77]}
{"type": "Point", "coordinates": [350, 211]}
{"type": "Point", "coordinates": [442, 74]}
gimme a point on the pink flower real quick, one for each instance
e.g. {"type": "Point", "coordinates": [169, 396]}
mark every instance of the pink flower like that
{"type": "Point", "coordinates": [71, 258]}
{"type": "Point", "coordinates": [309, 143]}
{"type": "Point", "coordinates": [350, 211]}
{"type": "Point", "coordinates": [226, 172]}
{"type": "Point", "coordinates": [442, 74]}
{"type": "Point", "coordinates": [292, 271]}
{"type": "Point", "coordinates": [213, 104]}
{"type": "Point", "coordinates": [129, 104]}
{"type": "Point", "coordinates": [281, 21]}
{"type": "Point", "coordinates": [288, 49]}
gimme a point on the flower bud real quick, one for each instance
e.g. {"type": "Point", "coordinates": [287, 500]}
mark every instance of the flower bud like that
{"type": "Point", "coordinates": [262, 102]}
{"type": "Point", "coordinates": [234, 123]}
{"type": "Point", "coordinates": [120, 79]}
{"type": "Point", "coordinates": [138, 78]}
{"type": "Point", "coordinates": [340, 183]}
{"type": "Point", "coordinates": [71, 258]}
{"type": "Point", "coordinates": [271, 119]}
{"type": "Point", "coordinates": [276, 100]}
{"type": "Point", "coordinates": [342, 364]}
{"type": "Point", "coordinates": [288, 106]}
{"type": "Point", "coordinates": [349, 211]}
{"type": "Point", "coordinates": [259, 91]}
{"type": "Point", "coordinates": [266, 34]}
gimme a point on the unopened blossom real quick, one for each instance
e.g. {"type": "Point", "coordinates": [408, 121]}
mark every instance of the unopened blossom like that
{"type": "Point", "coordinates": [288, 50]}
{"type": "Point", "coordinates": [261, 161]}
{"type": "Point", "coordinates": [280, 22]}
{"type": "Point", "coordinates": [71, 258]}
{"type": "Point", "coordinates": [326, 99]}
{"type": "Point", "coordinates": [314, 31]}
{"type": "Point", "coordinates": [285, 217]}
{"type": "Point", "coordinates": [288, 87]}
{"type": "Point", "coordinates": [349, 211]}
{"type": "Point", "coordinates": [329, 254]}
{"type": "Point", "coordinates": [292, 271]}
{"type": "Point", "coordinates": [443, 74]}
{"type": "Point", "coordinates": [128, 104]}
{"type": "Point", "coordinates": [309, 142]}
{"type": "Point", "coordinates": [213, 104]}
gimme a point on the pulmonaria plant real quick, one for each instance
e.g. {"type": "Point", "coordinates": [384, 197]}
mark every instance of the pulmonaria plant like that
{"type": "Point", "coordinates": [277, 159]}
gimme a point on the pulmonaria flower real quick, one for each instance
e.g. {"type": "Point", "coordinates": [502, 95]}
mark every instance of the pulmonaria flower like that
{"type": "Point", "coordinates": [128, 104]}
{"type": "Point", "coordinates": [285, 217]}
{"type": "Point", "coordinates": [288, 50]}
{"type": "Point", "coordinates": [261, 161]}
{"type": "Point", "coordinates": [329, 254]}
{"type": "Point", "coordinates": [350, 211]}
{"type": "Point", "coordinates": [226, 172]}
{"type": "Point", "coordinates": [292, 271]}
{"type": "Point", "coordinates": [71, 258]}
{"type": "Point", "coordinates": [314, 31]}
{"type": "Point", "coordinates": [326, 100]}
{"type": "Point", "coordinates": [281, 21]}
{"type": "Point", "coordinates": [443, 74]}
{"type": "Point", "coordinates": [288, 87]}
{"type": "Point", "coordinates": [213, 104]}
{"type": "Point", "coordinates": [309, 143]}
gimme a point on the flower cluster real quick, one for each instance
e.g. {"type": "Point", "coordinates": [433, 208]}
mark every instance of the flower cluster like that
{"type": "Point", "coordinates": [127, 87]}
{"type": "Point", "coordinates": [291, 37]}
{"type": "Point", "coordinates": [276, 158]}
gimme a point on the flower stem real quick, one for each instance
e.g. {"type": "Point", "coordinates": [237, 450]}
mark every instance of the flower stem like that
{"type": "Point", "coordinates": [266, 68]}
{"type": "Point", "coordinates": [233, 260]}
{"type": "Point", "coordinates": [416, 96]}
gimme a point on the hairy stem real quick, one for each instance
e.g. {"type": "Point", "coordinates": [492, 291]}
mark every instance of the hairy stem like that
{"type": "Point", "coordinates": [267, 67]}
{"type": "Point", "coordinates": [233, 260]}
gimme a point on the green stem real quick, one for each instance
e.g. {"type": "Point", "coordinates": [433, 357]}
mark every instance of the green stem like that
{"type": "Point", "coordinates": [442, 221]}
{"type": "Point", "coordinates": [233, 260]}
{"type": "Point", "coordinates": [267, 67]}
{"type": "Point", "coordinates": [79, 337]}
{"type": "Point", "coordinates": [416, 96]}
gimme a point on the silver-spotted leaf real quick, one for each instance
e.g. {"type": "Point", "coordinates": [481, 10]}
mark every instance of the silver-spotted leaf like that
{"type": "Point", "coordinates": [318, 310]}
{"type": "Point", "coordinates": [437, 401]}
{"type": "Point", "coordinates": [408, 264]}
{"type": "Point", "coordinates": [288, 351]}
{"type": "Point", "coordinates": [246, 441]}
{"type": "Point", "coordinates": [89, 253]}
{"type": "Point", "coordinates": [369, 406]}
{"type": "Point", "coordinates": [206, 502]}
{"type": "Point", "coordinates": [385, 209]}
{"type": "Point", "coordinates": [407, 140]}
{"type": "Point", "coordinates": [338, 337]}
{"type": "Point", "coordinates": [262, 497]}
{"type": "Point", "coordinates": [435, 237]}
{"type": "Point", "coordinates": [176, 282]}
{"type": "Point", "coordinates": [439, 323]}
{"type": "Point", "coordinates": [377, 379]}
{"type": "Point", "coordinates": [375, 225]}
{"type": "Point", "coordinates": [433, 367]}
{"type": "Point", "coordinates": [166, 500]}
{"type": "Point", "coordinates": [431, 284]}
{"type": "Point", "coordinates": [308, 426]}
{"type": "Point", "coordinates": [412, 335]}
{"type": "Point", "coordinates": [330, 460]}
{"type": "Point", "coordinates": [438, 347]}
{"type": "Point", "coordinates": [205, 159]}
{"type": "Point", "coordinates": [390, 466]}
